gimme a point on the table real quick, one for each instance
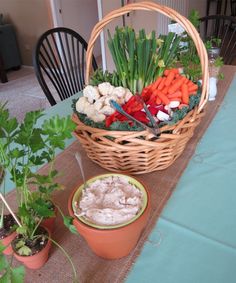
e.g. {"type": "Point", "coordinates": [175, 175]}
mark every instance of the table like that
{"type": "Point", "coordinates": [182, 247]}
{"type": "Point", "coordinates": [194, 239]}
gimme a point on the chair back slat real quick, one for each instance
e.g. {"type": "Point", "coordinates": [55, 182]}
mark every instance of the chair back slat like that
{"type": "Point", "coordinates": [223, 27]}
{"type": "Point", "coordinates": [59, 63]}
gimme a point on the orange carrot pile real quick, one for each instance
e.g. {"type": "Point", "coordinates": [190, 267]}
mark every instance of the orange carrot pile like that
{"type": "Point", "coordinates": [171, 87]}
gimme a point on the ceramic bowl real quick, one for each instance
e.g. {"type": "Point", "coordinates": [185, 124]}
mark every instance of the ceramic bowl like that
{"type": "Point", "coordinates": [78, 193]}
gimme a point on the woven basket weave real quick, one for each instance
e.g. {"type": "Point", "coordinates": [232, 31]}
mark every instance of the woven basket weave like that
{"type": "Point", "coordinates": [136, 152]}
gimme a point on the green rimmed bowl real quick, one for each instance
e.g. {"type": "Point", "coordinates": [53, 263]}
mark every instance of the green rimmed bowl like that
{"type": "Point", "coordinates": [77, 195]}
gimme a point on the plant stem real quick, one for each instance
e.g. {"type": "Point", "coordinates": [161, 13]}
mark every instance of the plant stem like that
{"type": "Point", "coordinates": [35, 228]}
{"type": "Point", "coordinates": [68, 257]}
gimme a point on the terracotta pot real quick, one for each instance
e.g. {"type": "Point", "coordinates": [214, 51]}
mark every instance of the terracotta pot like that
{"type": "Point", "coordinates": [112, 243]}
{"type": "Point", "coordinates": [7, 242]}
{"type": "Point", "coordinates": [49, 223]}
{"type": "Point", "coordinates": [37, 260]}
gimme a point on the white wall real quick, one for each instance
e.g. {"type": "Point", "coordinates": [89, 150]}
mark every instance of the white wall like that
{"type": "Point", "coordinates": [81, 15]}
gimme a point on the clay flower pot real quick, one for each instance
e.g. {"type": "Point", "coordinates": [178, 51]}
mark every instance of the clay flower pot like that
{"type": "Point", "coordinates": [37, 260]}
{"type": "Point", "coordinates": [7, 233]}
{"type": "Point", "coordinates": [6, 241]}
{"type": "Point", "coordinates": [49, 222]}
{"type": "Point", "coordinates": [117, 242]}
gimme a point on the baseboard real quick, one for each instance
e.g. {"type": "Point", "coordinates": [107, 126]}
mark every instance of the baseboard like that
{"type": "Point", "coordinates": [26, 66]}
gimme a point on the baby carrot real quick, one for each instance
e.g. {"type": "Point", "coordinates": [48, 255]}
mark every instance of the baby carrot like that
{"type": "Point", "coordinates": [155, 84]}
{"type": "Point", "coordinates": [162, 84]}
{"type": "Point", "coordinates": [186, 80]}
{"type": "Point", "coordinates": [165, 100]}
{"type": "Point", "coordinates": [170, 78]}
{"type": "Point", "coordinates": [158, 100]}
{"type": "Point", "coordinates": [175, 99]}
{"type": "Point", "coordinates": [165, 90]}
{"type": "Point", "coordinates": [192, 92]}
{"type": "Point", "coordinates": [176, 84]}
{"type": "Point", "coordinates": [185, 97]}
{"type": "Point", "coordinates": [177, 94]}
{"type": "Point", "coordinates": [166, 72]}
{"type": "Point", "coordinates": [192, 88]}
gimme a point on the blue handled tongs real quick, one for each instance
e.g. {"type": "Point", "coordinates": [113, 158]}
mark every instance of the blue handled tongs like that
{"type": "Point", "coordinates": [155, 130]}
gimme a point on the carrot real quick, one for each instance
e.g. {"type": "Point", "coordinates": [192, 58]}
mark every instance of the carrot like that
{"type": "Point", "coordinates": [192, 88]}
{"type": "Point", "coordinates": [185, 96]}
{"type": "Point", "coordinates": [186, 80]}
{"type": "Point", "coordinates": [176, 84]}
{"type": "Point", "coordinates": [162, 84]}
{"type": "Point", "coordinates": [192, 92]}
{"type": "Point", "coordinates": [165, 90]}
{"type": "Point", "coordinates": [175, 99]}
{"type": "Point", "coordinates": [155, 84]}
{"type": "Point", "coordinates": [166, 72]}
{"type": "Point", "coordinates": [177, 94]}
{"type": "Point", "coordinates": [190, 83]}
{"type": "Point", "coordinates": [158, 100]}
{"type": "Point", "coordinates": [170, 78]}
{"type": "Point", "coordinates": [165, 100]}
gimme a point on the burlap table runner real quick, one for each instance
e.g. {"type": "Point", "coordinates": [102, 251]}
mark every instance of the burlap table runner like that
{"type": "Point", "coordinates": [90, 268]}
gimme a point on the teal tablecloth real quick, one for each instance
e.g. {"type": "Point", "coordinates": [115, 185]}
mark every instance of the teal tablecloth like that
{"type": "Point", "coordinates": [194, 240]}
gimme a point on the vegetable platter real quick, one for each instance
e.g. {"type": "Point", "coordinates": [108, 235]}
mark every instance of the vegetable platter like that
{"type": "Point", "coordinates": [139, 118]}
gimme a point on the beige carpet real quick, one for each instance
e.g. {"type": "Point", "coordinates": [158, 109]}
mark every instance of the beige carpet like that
{"type": "Point", "coordinates": [22, 92]}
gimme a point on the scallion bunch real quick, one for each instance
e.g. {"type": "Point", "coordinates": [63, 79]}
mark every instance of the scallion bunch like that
{"type": "Point", "coordinates": [140, 59]}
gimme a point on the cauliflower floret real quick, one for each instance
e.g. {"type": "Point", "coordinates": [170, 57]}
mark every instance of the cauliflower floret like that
{"type": "Point", "coordinates": [99, 104]}
{"type": "Point", "coordinates": [89, 110]}
{"type": "Point", "coordinates": [107, 110]}
{"type": "Point", "coordinates": [108, 98]}
{"type": "Point", "coordinates": [91, 93]}
{"type": "Point", "coordinates": [98, 117]}
{"type": "Point", "coordinates": [93, 114]}
{"type": "Point", "coordinates": [105, 88]}
{"type": "Point", "coordinates": [82, 104]}
{"type": "Point", "coordinates": [128, 94]}
{"type": "Point", "coordinates": [119, 91]}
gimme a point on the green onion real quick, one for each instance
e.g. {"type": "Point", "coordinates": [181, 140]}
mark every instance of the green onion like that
{"type": "Point", "coordinates": [136, 57]}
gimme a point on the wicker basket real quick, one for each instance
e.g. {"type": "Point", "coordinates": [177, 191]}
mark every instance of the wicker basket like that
{"type": "Point", "coordinates": [126, 151]}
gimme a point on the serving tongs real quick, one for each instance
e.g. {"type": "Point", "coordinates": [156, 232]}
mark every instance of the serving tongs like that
{"type": "Point", "coordinates": [155, 130]}
{"type": "Point", "coordinates": [150, 116]}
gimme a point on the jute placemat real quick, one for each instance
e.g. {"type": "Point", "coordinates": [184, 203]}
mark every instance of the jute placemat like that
{"type": "Point", "coordinates": [90, 268]}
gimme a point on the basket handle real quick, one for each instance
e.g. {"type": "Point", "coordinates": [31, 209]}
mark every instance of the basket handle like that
{"type": "Point", "coordinates": [171, 13]}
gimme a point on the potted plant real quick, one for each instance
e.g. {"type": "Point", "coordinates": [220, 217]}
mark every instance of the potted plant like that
{"type": "Point", "coordinates": [23, 148]}
{"type": "Point", "coordinates": [26, 146]}
{"type": "Point", "coordinates": [8, 273]}
{"type": "Point", "coordinates": [7, 222]}
{"type": "Point", "coordinates": [215, 61]}
{"type": "Point", "coordinates": [189, 58]}
{"type": "Point", "coordinates": [109, 239]}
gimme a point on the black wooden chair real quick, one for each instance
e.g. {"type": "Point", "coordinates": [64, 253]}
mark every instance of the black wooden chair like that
{"type": "Point", "coordinates": [223, 27]}
{"type": "Point", "coordinates": [233, 8]}
{"type": "Point", "coordinates": [59, 63]}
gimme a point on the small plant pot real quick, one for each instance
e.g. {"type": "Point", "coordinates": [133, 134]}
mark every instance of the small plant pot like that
{"type": "Point", "coordinates": [37, 260]}
{"type": "Point", "coordinates": [7, 233]}
{"type": "Point", "coordinates": [49, 222]}
{"type": "Point", "coordinates": [7, 242]}
{"type": "Point", "coordinates": [112, 243]}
